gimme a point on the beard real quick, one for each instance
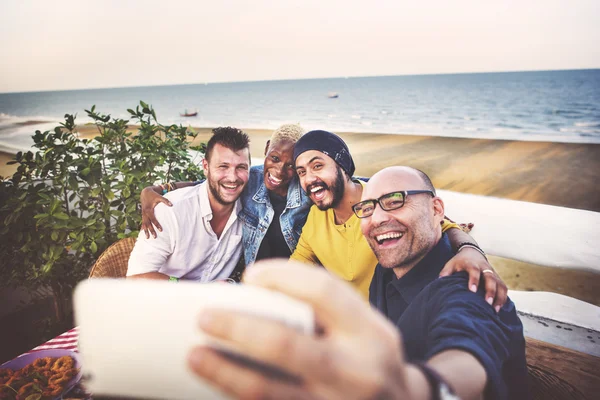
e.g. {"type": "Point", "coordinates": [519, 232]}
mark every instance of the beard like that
{"type": "Point", "coordinates": [418, 239]}
{"type": "Point", "coordinates": [214, 186]}
{"type": "Point", "coordinates": [336, 189]}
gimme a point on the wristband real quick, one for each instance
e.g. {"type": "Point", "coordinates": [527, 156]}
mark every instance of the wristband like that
{"type": "Point", "coordinates": [472, 246]}
{"type": "Point", "coordinates": [440, 389]}
{"type": "Point", "coordinates": [173, 279]}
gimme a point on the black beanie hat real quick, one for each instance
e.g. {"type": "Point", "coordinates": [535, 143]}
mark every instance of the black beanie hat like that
{"type": "Point", "coordinates": [327, 143]}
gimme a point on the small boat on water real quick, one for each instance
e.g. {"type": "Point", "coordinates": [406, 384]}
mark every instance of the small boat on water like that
{"type": "Point", "coordinates": [333, 95]}
{"type": "Point", "coordinates": [188, 114]}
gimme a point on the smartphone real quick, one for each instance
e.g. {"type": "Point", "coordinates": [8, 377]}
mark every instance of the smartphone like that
{"type": "Point", "coordinates": [135, 335]}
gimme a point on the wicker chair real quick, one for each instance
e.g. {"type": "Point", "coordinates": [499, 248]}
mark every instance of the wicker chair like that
{"type": "Point", "coordinates": [112, 263]}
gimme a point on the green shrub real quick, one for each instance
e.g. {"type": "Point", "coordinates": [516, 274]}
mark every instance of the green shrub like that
{"type": "Point", "coordinates": [73, 197]}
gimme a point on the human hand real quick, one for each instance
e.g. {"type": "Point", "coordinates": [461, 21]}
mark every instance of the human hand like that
{"type": "Point", "coordinates": [149, 199]}
{"type": "Point", "coordinates": [355, 353]}
{"type": "Point", "coordinates": [472, 261]}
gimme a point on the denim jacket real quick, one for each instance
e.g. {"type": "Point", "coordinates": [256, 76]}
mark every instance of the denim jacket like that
{"type": "Point", "coordinates": [258, 212]}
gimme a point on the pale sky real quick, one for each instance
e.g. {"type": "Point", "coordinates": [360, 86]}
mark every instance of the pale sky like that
{"type": "Point", "coordinates": [64, 44]}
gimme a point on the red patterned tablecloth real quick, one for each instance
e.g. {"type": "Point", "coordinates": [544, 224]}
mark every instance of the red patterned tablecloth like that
{"type": "Point", "coordinates": [65, 341]}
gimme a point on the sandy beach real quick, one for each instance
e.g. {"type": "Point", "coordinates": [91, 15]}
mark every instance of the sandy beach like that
{"type": "Point", "coordinates": [560, 174]}
{"type": "Point", "coordinates": [6, 170]}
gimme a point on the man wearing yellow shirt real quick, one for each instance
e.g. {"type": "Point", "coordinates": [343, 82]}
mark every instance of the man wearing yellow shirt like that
{"type": "Point", "coordinates": [332, 236]}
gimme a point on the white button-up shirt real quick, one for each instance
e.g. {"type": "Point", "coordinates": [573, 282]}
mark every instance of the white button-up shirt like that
{"type": "Point", "coordinates": [188, 247]}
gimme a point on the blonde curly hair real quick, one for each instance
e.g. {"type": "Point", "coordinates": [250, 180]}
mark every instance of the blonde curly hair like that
{"type": "Point", "coordinates": [291, 132]}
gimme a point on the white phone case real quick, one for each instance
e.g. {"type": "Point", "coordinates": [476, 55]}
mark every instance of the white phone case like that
{"type": "Point", "coordinates": [135, 335]}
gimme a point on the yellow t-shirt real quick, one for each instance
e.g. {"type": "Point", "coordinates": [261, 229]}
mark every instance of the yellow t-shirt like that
{"type": "Point", "coordinates": [341, 249]}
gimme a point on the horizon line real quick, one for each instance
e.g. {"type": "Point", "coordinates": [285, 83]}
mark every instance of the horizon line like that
{"type": "Point", "coordinates": [298, 79]}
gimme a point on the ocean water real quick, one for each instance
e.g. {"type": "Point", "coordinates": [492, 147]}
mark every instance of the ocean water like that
{"type": "Point", "coordinates": [561, 106]}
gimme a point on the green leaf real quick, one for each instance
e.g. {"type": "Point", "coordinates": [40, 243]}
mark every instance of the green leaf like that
{"type": "Point", "coordinates": [94, 247]}
{"type": "Point", "coordinates": [47, 267]}
{"type": "Point", "coordinates": [61, 215]}
{"type": "Point", "coordinates": [54, 235]}
{"type": "Point", "coordinates": [85, 172]}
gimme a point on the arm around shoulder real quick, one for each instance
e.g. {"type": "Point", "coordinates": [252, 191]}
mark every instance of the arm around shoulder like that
{"type": "Point", "coordinates": [471, 258]}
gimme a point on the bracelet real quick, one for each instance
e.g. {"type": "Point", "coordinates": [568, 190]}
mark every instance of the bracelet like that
{"type": "Point", "coordinates": [472, 246]}
{"type": "Point", "coordinates": [163, 190]}
{"type": "Point", "coordinates": [168, 187]}
{"type": "Point", "coordinates": [173, 279]}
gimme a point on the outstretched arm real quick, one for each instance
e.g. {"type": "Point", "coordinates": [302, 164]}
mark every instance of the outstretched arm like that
{"type": "Point", "coordinates": [476, 264]}
{"type": "Point", "coordinates": [149, 198]}
{"type": "Point", "coordinates": [326, 364]}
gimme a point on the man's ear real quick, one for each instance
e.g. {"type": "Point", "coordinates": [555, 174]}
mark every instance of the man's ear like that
{"type": "Point", "coordinates": [204, 165]}
{"type": "Point", "coordinates": [267, 146]}
{"type": "Point", "coordinates": [438, 208]}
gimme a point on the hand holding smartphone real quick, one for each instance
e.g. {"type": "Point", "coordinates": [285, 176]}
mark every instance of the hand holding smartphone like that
{"type": "Point", "coordinates": [135, 336]}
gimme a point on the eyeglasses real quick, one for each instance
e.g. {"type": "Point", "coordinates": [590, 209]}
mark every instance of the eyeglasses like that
{"type": "Point", "coordinates": [387, 202]}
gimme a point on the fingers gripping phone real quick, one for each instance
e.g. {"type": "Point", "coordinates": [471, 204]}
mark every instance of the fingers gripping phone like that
{"type": "Point", "coordinates": [135, 335]}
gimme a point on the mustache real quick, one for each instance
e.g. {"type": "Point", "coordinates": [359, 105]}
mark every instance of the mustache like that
{"type": "Point", "coordinates": [318, 183]}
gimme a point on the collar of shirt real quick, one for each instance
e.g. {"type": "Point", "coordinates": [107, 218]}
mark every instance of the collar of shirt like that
{"type": "Point", "coordinates": [206, 209]}
{"type": "Point", "coordinates": [426, 271]}
{"type": "Point", "coordinates": [353, 221]}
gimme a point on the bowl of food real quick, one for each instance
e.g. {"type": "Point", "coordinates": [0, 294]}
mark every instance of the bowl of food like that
{"type": "Point", "coordinates": [44, 374]}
